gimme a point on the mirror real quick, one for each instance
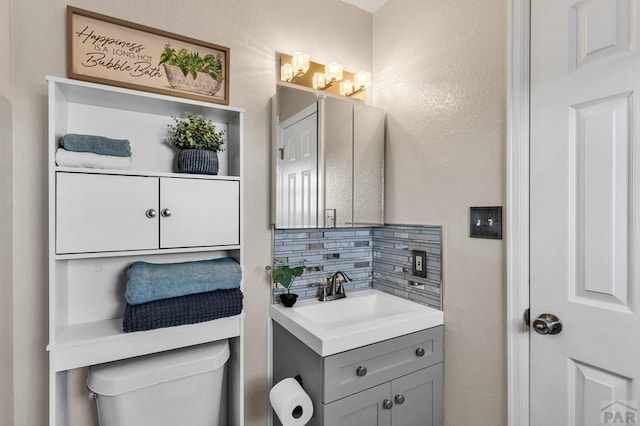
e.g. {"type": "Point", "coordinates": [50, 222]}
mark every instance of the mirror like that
{"type": "Point", "coordinates": [327, 161]}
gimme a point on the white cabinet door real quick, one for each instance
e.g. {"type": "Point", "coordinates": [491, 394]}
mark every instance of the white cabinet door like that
{"type": "Point", "coordinates": [198, 212]}
{"type": "Point", "coordinates": [96, 213]}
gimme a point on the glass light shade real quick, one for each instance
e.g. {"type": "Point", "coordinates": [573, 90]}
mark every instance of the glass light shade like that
{"type": "Point", "coordinates": [300, 62]}
{"type": "Point", "coordinates": [362, 79]}
{"type": "Point", "coordinates": [319, 80]}
{"type": "Point", "coordinates": [333, 71]}
{"type": "Point", "coordinates": [346, 87]}
{"type": "Point", "coordinates": [286, 72]}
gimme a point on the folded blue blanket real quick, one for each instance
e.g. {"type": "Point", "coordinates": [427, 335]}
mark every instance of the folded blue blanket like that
{"type": "Point", "coordinates": [147, 282]}
{"type": "Point", "coordinates": [96, 144]}
{"type": "Point", "coordinates": [190, 309]}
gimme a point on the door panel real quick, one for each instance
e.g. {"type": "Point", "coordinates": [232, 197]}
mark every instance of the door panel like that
{"type": "Point", "coordinates": [362, 409]}
{"type": "Point", "coordinates": [584, 216]}
{"type": "Point", "coordinates": [422, 393]}
{"type": "Point", "coordinates": [96, 213]}
{"type": "Point", "coordinates": [297, 174]}
{"type": "Point", "coordinates": [203, 212]}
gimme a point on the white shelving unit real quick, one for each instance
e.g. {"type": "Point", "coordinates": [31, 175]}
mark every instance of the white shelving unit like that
{"type": "Point", "coordinates": [96, 229]}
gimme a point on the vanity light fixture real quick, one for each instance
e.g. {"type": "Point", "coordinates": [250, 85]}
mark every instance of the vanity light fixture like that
{"type": "Point", "coordinates": [361, 81]}
{"type": "Point", "coordinates": [332, 78]}
{"type": "Point", "coordinates": [333, 73]}
{"type": "Point", "coordinates": [297, 68]}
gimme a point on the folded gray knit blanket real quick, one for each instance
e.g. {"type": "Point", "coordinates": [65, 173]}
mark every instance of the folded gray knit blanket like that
{"type": "Point", "coordinates": [182, 310]}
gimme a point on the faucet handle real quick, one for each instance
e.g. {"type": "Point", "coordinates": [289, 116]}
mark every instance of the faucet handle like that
{"type": "Point", "coordinates": [323, 291]}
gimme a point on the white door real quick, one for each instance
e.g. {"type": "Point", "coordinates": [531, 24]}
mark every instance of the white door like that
{"type": "Point", "coordinates": [199, 212]}
{"type": "Point", "coordinates": [585, 183]}
{"type": "Point", "coordinates": [297, 171]}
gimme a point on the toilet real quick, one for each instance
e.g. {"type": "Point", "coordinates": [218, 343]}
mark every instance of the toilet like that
{"type": "Point", "coordinates": [185, 386]}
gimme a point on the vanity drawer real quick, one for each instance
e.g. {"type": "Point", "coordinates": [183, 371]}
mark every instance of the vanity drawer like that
{"type": "Point", "coordinates": [344, 373]}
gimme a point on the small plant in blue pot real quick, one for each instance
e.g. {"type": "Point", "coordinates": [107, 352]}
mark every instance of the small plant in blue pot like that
{"type": "Point", "coordinates": [198, 143]}
{"type": "Point", "coordinates": [285, 276]}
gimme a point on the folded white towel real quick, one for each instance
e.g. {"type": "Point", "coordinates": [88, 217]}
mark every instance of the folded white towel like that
{"type": "Point", "coordinates": [90, 160]}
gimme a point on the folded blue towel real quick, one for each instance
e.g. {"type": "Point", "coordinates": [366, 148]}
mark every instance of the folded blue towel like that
{"type": "Point", "coordinates": [182, 310]}
{"type": "Point", "coordinates": [96, 144]}
{"type": "Point", "coordinates": [147, 282]}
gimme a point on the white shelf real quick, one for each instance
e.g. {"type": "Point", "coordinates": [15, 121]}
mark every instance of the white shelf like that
{"type": "Point", "coordinates": [98, 342]}
{"type": "Point", "coordinates": [143, 173]}
{"type": "Point", "coordinates": [132, 100]}
{"type": "Point", "coordinates": [86, 288]}
{"type": "Point", "coordinates": [92, 255]}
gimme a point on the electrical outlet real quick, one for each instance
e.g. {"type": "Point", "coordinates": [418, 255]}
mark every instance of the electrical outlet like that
{"type": "Point", "coordinates": [419, 263]}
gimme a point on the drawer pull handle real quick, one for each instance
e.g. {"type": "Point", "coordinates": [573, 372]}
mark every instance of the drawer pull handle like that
{"type": "Point", "coordinates": [151, 213]}
{"type": "Point", "coordinates": [387, 404]}
{"type": "Point", "coordinates": [165, 213]}
{"type": "Point", "coordinates": [361, 371]}
{"type": "Point", "coordinates": [420, 352]}
{"type": "Point", "coordinates": [399, 399]}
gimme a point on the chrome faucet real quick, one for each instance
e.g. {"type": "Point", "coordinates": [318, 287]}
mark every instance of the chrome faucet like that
{"type": "Point", "coordinates": [334, 287]}
{"type": "Point", "coordinates": [337, 287]}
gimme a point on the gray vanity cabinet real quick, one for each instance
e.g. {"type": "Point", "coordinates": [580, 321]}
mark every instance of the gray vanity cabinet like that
{"type": "Point", "coordinates": [411, 400]}
{"type": "Point", "coordinates": [396, 382]}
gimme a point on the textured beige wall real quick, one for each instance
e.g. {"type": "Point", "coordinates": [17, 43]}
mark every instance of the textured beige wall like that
{"type": "Point", "coordinates": [440, 72]}
{"type": "Point", "coordinates": [6, 223]}
{"type": "Point", "coordinates": [254, 30]}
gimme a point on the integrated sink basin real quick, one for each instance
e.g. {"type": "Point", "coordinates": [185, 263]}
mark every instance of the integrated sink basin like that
{"type": "Point", "coordinates": [362, 318]}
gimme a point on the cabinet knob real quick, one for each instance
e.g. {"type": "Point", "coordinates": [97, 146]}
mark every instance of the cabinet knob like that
{"type": "Point", "coordinates": [387, 404]}
{"type": "Point", "coordinates": [361, 371]}
{"type": "Point", "coordinates": [165, 212]}
{"type": "Point", "coordinates": [399, 399]}
{"type": "Point", "coordinates": [420, 352]}
{"type": "Point", "coordinates": [151, 213]}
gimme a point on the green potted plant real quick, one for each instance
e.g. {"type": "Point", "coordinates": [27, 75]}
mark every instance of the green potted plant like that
{"type": "Point", "coordinates": [189, 71]}
{"type": "Point", "coordinates": [198, 143]}
{"type": "Point", "coordinates": [285, 276]}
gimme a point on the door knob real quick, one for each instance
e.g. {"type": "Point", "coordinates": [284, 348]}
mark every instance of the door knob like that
{"type": "Point", "coordinates": [547, 324]}
{"type": "Point", "coordinates": [165, 212]}
{"type": "Point", "coordinates": [420, 352]}
{"type": "Point", "coordinates": [361, 371]}
{"type": "Point", "coordinates": [151, 213]}
{"type": "Point", "coordinates": [399, 399]}
{"type": "Point", "coordinates": [387, 404]}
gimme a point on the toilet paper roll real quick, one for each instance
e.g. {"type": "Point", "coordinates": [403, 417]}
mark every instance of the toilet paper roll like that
{"type": "Point", "coordinates": [291, 403]}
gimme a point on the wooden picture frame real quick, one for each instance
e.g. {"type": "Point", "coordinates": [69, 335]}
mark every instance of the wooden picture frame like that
{"type": "Point", "coordinates": [107, 50]}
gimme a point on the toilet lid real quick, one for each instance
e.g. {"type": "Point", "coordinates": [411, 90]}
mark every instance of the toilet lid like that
{"type": "Point", "coordinates": [115, 378]}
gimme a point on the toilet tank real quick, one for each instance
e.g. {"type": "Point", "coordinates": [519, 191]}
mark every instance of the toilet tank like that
{"type": "Point", "coordinates": [185, 386]}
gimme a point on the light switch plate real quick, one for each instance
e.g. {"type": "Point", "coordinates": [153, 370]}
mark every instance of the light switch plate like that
{"type": "Point", "coordinates": [485, 222]}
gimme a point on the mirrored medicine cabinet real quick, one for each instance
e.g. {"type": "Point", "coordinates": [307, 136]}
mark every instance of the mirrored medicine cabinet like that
{"type": "Point", "coordinates": [327, 161]}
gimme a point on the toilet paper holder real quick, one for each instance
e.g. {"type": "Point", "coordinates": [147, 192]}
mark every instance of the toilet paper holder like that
{"type": "Point", "coordinates": [297, 412]}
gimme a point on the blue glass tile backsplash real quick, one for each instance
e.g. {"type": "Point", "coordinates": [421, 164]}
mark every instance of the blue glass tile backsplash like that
{"type": "Point", "coordinates": [324, 251]}
{"type": "Point", "coordinates": [379, 257]}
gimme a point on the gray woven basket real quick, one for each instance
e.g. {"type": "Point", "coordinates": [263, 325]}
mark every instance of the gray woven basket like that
{"type": "Point", "coordinates": [198, 161]}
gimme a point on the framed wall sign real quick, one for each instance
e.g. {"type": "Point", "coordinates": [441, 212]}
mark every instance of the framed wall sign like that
{"type": "Point", "coordinates": [107, 50]}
